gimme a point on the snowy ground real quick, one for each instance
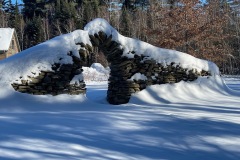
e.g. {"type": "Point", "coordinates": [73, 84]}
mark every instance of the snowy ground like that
{"type": "Point", "coordinates": [188, 125]}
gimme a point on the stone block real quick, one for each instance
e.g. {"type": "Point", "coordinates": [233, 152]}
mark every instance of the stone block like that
{"type": "Point", "coordinates": [22, 87]}
{"type": "Point", "coordinates": [39, 87]}
{"type": "Point", "coordinates": [102, 36]}
{"type": "Point", "coordinates": [107, 42]}
{"type": "Point", "coordinates": [49, 88]}
{"type": "Point", "coordinates": [66, 67]}
{"type": "Point", "coordinates": [35, 80]}
{"type": "Point", "coordinates": [89, 48]}
{"type": "Point", "coordinates": [94, 40]}
{"type": "Point", "coordinates": [47, 79]}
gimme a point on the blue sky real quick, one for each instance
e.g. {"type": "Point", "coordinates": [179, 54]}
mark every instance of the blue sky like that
{"type": "Point", "coordinates": [19, 1]}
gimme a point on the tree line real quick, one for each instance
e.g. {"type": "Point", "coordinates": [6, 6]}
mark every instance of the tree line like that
{"type": "Point", "coordinates": [207, 30]}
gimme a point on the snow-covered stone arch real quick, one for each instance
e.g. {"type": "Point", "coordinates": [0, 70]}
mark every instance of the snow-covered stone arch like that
{"type": "Point", "coordinates": [134, 64]}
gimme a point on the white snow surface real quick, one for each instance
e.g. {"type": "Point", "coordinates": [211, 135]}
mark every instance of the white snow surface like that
{"type": "Point", "coordinates": [132, 46]}
{"type": "Point", "coordinates": [183, 121]}
{"type": "Point", "coordinates": [96, 72]}
{"type": "Point", "coordinates": [99, 67]}
{"type": "Point", "coordinates": [5, 38]}
{"type": "Point", "coordinates": [77, 79]}
{"type": "Point", "coordinates": [138, 76]}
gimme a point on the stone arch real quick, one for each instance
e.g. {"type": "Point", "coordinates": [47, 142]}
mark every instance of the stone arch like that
{"type": "Point", "coordinates": [127, 76]}
{"type": "Point", "coordinates": [121, 82]}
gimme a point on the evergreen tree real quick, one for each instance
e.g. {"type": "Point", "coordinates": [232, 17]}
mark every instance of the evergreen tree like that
{"type": "Point", "coordinates": [13, 14]}
{"type": "Point", "coordinates": [1, 4]}
{"type": "Point", "coordinates": [125, 23]}
{"type": "Point", "coordinates": [65, 13]}
{"type": "Point", "coordinates": [129, 5]}
{"type": "Point", "coordinates": [6, 5]}
{"type": "Point", "coordinates": [34, 34]}
{"type": "Point", "coordinates": [34, 8]}
{"type": "Point", "coordinates": [88, 7]}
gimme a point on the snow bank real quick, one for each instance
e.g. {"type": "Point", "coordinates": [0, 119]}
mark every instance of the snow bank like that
{"type": "Point", "coordinates": [165, 56]}
{"type": "Point", "coordinates": [212, 89]}
{"type": "Point", "coordinates": [95, 73]}
{"type": "Point", "coordinates": [99, 68]}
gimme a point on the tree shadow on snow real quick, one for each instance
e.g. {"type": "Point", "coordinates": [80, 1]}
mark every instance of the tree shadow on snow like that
{"type": "Point", "coordinates": [115, 134]}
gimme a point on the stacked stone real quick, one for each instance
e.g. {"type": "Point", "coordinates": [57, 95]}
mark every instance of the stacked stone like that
{"type": "Point", "coordinates": [121, 87]}
{"type": "Point", "coordinates": [54, 82]}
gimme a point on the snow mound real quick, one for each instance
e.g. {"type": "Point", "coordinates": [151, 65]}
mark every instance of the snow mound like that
{"type": "Point", "coordinates": [99, 68]}
{"type": "Point", "coordinates": [95, 73]}
{"type": "Point", "coordinates": [138, 76]}
{"type": "Point", "coordinates": [204, 89]}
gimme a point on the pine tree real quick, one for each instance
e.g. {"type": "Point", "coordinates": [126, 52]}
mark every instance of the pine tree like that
{"type": "Point", "coordinates": [13, 13]}
{"type": "Point", "coordinates": [34, 32]}
{"type": "Point", "coordinates": [34, 8]}
{"type": "Point", "coordinates": [129, 5]}
{"type": "Point", "coordinates": [88, 7]}
{"type": "Point", "coordinates": [64, 16]}
{"type": "Point", "coordinates": [125, 26]}
{"type": "Point", "coordinates": [3, 17]}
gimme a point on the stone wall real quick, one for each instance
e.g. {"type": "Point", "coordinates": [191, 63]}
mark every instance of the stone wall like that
{"type": "Point", "coordinates": [121, 82]}
{"type": "Point", "coordinates": [54, 82]}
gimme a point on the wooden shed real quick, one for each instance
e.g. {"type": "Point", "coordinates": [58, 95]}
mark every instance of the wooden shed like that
{"type": "Point", "coordinates": [9, 44]}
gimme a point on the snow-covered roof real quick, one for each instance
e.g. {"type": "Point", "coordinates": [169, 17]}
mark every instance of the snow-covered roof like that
{"type": "Point", "coordinates": [5, 38]}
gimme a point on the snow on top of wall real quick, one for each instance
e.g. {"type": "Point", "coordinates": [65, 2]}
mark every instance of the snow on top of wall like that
{"type": "Point", "coordinates": [98, 25]}
{"type": "Point", "coordinates": [77, 79]}
{"type": "Point", "coordinates": [5, 38]}
{"type": "Point", "coordinates": [138, 76]}
{"type": "Point", "coordinates": [41, 57]}
{"type": "Point", "coordinates": [204, 89]}
{"type": "Point", "coordinates": [132, 46]}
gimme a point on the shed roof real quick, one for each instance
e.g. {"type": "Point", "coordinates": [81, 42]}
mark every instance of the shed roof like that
{"type": "Point", "coordinates": [6, 35]}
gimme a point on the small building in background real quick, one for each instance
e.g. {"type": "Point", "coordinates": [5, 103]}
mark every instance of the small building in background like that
{"type": "Point", "coordinates": [9, 44]}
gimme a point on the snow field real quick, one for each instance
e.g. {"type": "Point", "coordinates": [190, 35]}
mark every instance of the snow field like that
{"type": "Point", "coordinates": [199, 123]}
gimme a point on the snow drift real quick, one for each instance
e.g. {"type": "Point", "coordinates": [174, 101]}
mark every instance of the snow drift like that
{"type": "Point", "coordinates": [95, 73]}
{"type": "Point", "coordinates": [204, 89]}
